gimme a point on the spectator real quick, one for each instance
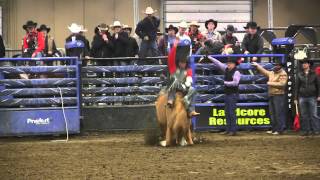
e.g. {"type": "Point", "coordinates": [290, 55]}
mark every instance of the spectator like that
{"type": "Point", "coordinates": [229, 38]}
{"type": "Point", "coordinates": [211, 33]}
{"type": "Point", "coordinates": [33, 41]}
{"type": "Point", "coordinates": [184, 46]}
{"type": "Point", "coordinates": [277, 81]}
{"type": "Point", "coordinates": [76, 43]}
{"type": "Point", "coordinates": [211, 38]}
{"type": "Point", "coordinates": [230, 42]}
{"type": "Point", "coordinates": [82, 31]}
{"type": "Point", "coordinates": [133, 48]}
{"type": "Point", "coordinates": [102, 46]}
{"type": "Point", "coordinates": [307, 93]}
{"type": "Point", "coordinates": [50, 49]}
{"type": "Point", "coordinates": [195, 36]}
{"type": "Point", "coordinates": [2, 48]}
{"type": "Point", "coordinates": [252, 43]}
{"type": "Point", "coordinates": [147, 31]}
{"type": "Point", "coordinates": [120, 40]}
{"type": "Point", "coordinates": [166, 42]}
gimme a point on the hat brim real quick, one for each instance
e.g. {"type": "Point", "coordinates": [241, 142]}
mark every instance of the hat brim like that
{"type": "Point", "coordinates": [74, 30]}
{"type": "Point", "coordinates": [26, 26]}
{"type": "Point", "coordinates": [197, 25]}
{"type": "Point", "coordinates": [175, 30]}
{"type": "Point", "coordinates": [211, 20]}
{"type": "Point", "coordinates": [154, 11]}
{"type": "Point", "coordinates": [41, 29]}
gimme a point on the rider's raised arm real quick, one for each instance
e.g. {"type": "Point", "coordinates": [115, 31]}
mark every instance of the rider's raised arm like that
{"type": "Point", "coordinates": [218, 64]}
{"type": "Point", "coordinates": [172, 59]}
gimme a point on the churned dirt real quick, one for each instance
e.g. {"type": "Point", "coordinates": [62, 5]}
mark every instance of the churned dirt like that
{"type": "Point", "coordinates": [250, 155]}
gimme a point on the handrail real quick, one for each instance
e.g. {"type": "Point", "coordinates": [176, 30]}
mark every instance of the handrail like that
{"type": "Point", "coordinates": [39, 59]}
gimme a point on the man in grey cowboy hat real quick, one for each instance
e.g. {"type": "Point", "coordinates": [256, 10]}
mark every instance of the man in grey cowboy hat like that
{"type": "Point", "coordinates": [147, 31]}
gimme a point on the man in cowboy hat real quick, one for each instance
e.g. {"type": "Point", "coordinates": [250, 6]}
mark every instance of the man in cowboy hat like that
{"type": "Point", "coordinates": [133, 48]}
{"type": "Point", "coordinates": [195, 36]}
{"type": "Point", "coordinates": [120, 40]}
{"type": "Point", "coordinates": [230, 42]}
{"type": "Point", "coordinates": [33, 41]}
{"type": "Point", "coordinates": [211, 33]}
{"type": "Point", "coordinates": [50, 49]}
{"type": "Point", "coordinates": [277, 82]}
{"type": "Point", "coordinates": [102, 46]}
{"type": "Point", "coordinates": [166, 42]}
{"type": "Point", "coordinates": [180, 79]}
{"type": "Point", "coordinates": [147, 31]}
{"type": "Point", "coordinates": [307, 93]}
{"type": "Point", "coordinates": [82, 31]}
{"type": "Point", "coordinates": [76, 43]}
{"type": "Point", "coordinates": [231, 91]}
{"type": "Point", "coordinates": [210, 36]}
{"type": "Point", "coordinates": [252, 42]}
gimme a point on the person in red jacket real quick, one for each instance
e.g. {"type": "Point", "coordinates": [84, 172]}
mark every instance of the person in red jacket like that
{"type": "Point", "coordinates": [33, 41]}
{"type": "Point", "coordinates": [181, 80]}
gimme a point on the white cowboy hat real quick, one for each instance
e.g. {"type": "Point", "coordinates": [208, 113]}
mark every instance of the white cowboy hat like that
{"type": "Point", "coordinates": [183, 24]}
{"type": "Point", "coordinates": [116, 24]}
{"type": "Point", "coordinates": [149, 10]}
{"type": "Point", "coordinates": [83, 29]}
{"type": "Point", "coordinates": [194, 23]}
{"type": "Point", "coordinates": [74, 28]}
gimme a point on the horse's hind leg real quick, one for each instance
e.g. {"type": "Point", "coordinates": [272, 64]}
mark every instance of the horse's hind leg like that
{"type": "Point", "coordinates": [189, 137]}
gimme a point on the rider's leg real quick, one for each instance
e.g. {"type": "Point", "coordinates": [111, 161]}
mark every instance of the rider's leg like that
{"type": "Point", "coordinates": [171, 96]}
{"type": "Point", "coordinates": [189, 100]}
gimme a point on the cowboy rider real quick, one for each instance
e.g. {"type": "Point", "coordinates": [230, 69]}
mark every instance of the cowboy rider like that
{"type": "Point", "coordinates": [181, 80]}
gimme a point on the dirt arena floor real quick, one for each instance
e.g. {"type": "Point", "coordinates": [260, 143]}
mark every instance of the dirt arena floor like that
{"type": "Point", "coordinates": [250, 155]}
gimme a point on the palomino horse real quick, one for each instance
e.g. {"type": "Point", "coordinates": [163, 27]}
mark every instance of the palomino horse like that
{"type": "Point", "coordinates": [174, 122]}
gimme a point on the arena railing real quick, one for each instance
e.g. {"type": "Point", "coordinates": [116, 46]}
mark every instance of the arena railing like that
{"type": "Point", "coordinates": [122, 81]}
{"type": "Point", "coordinates": [252, 111]}
{"type": "Point", "coordinates": [38, 98]}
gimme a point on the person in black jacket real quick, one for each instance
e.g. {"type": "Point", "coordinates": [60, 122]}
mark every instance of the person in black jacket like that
{"type": "Point", "coordinates": [102, 46]}
{"type": "Point", "coordinates": [252, 42]}
{"type": "Point", "coordinates": [76, 45]}
{"type": "Point", "coordinates": [133, 48]}
{"type": "Point", "coordinates": [307, 94]}
{"type": "Point", "coordinates": [50, 49]}
{"type": "Point", "coordinates": [120, 40]}
{"type": "Point", "coordinates": [147, 31]}
{"type": "Point", "coordinates": [2, 48]}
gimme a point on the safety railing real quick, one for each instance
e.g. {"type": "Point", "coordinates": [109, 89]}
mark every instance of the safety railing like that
{"type": "Point", "coordinates": [35, 97]}
{"type": "Point", "coordinates": [122, 81]}
{"type": "Point", "coordinates": [253, 94]}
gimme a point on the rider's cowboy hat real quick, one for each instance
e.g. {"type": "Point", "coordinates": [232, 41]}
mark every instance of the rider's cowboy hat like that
{"type": "Point", "coordinates": [29, 24]}
{"type": "Point", "coordinates": [74, 28]}
{"type": "Point", "coordinates": [149, 10]}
